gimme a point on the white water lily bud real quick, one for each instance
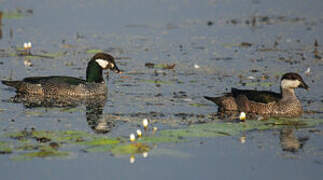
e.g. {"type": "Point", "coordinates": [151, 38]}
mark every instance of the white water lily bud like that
{"type": "Point", "coordinates": [242, 116]}
{"type": "Point", "coordinates": [139, 133]}
{"type": "Point", "coordinates": [27, 63]}
{"type": "Point", "coordinates": [132, 137]}
{"type": "Point", "coordinates": [145, 154]}
{"type": "Point", "coordinates": [132, 159]}
{"type": "Point", "coordinates": [308, 71]}
{"type": "Point", "coordinates": [243, 139]}
{"type": "Point", "coordinates": [25, 45]}
{"type": "Point", "coordinates": [145, 123]}
{"type": "Point", "coordinates": [29, 45]}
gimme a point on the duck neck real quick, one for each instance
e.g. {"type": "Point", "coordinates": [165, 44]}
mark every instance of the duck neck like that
{"type": "Point", "coordinates": [94, 73]}
{"type": "Point", "coordinates": [287, 92]}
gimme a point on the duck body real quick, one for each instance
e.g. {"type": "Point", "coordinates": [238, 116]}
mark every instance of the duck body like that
{"type": "Point", "coordinates": [284, 104]}
{"type": "Point", "coordinates": [57, 85]}
{"type": "Point", "coordinates": [69, 86]}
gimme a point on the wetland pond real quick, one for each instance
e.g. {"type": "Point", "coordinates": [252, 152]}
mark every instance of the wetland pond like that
{"type": "Point", "coordinates": [172, 53]}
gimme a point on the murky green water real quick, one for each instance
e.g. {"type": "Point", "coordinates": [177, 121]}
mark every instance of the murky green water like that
{"type": "Point", "coordinates": [229, 41]}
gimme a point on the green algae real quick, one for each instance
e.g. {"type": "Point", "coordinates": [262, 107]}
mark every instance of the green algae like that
{"type": "Point", "coordinates": [13, 15]}
{"type": "Point", "coordinates": [133, 148]}
{"type": "Point", "coordinates": [101, 141]}
{"type": "Point", "coordinates": [101, 148]}
{"type": "Point", "coordinates": [31, 144]}
{"type": "Point", "coordinates": [40, 154]}
{"type": "Point", "coordinates": [214, 129]}
{"type": "Point", "coordinates": [5, 148]}
{"type": "Point", "coordinates": [160, 139]}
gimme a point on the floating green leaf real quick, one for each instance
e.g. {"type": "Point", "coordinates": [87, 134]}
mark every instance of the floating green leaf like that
{"type": "Point", "coordinates": [93, 51]}
{"type": "Point", "coordinates": [12, 15]}
{"type": "Point", "coordinates": [100, 141]}
{"type": "Point", "coordinates": [106, 148]}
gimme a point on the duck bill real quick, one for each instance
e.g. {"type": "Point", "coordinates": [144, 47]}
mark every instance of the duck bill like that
{"type": "Point", "coordinates": [304, 85]}
{"type": "Point", "coordinates": [116, 69]}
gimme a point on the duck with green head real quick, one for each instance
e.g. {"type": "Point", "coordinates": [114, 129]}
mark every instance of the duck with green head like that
{"type": "Point", "coordinates": [69, 86]}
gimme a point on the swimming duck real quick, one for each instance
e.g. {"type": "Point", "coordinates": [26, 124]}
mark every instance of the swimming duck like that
{"type": "Point", "coordinates": [283, 104]}
{"type": "Point", "coordinates": [69, 86]}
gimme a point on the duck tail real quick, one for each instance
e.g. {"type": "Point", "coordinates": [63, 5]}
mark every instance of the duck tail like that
{"type": "Point", "coordinates": [15, 84]}
{"type": "Point", "coordinates": [216, 100]}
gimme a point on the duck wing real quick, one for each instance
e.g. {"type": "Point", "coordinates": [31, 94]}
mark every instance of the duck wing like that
{"type": "Point", "coordinates": [54, 79]}
{"type": "Point", "coordinates": [257, 96]}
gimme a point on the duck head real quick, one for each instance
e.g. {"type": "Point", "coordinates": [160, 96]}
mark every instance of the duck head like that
{"type": "Point", "coordinates": [293, 80]}
{"type": "Point", "coordinates": [99, 62]}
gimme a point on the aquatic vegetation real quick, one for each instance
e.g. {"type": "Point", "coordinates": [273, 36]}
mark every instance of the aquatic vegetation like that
{"type": "Point", "coordinates": [133, 148]}
{"type": "Point", "coordinates": [44, 144]}
{"type": "Point", "coordinates": [5, 148]}
{"type": "Point", "coordinates": [160, 66]}
{"type": "Point", "coordinates": [157, 82]}
{"type": "Point", "coordinates": [93, 51]}
{"type": "Point", "coordinates": [214, 129]}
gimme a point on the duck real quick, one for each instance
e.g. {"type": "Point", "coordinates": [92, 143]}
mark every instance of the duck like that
{"type": "Point", "coordinates": [283, 104]}
{"type": "Point", "coordinates": [47, 86]}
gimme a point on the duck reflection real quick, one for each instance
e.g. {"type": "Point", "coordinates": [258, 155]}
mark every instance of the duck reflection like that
{"type": "Point", "coordinates": [94, 108]}
{"type": "Point", "coordinates": [289, 142]}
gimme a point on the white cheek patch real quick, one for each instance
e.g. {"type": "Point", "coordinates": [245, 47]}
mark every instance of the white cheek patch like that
{"type": "Point", "coordinates": [290, 83]}
{"type": "Point", "coordinates": [103, 63]}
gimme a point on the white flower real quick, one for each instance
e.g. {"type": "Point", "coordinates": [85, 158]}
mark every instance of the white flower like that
{"type": "Point", "coordinates": [29, 44]}
{"type": "Point", "coordinates": [196, 66]}
{"type": "Point", "coordinates": [132, 159]}
{"type": "Point", "coordinates": [251, 77]}
{"type": "Point", "coordinates": [242, 116]}
{"type": "Point", "coordinates": [155, 128]}
{"type": "Point", "coordinates": [145, 123]}
{"type": "Point", "coordinates": [139, 133]}
{"type": "Point", "coordinates": [27, 63]}
{"type": "Point", "coordinates": [243, 139]}
{"type": "Point", "coordinates": [132, 137]}
{"type": "Point", "coordinates": [145, 154]}
{"type": "Point", "coordinates": [25, 45]}
{"type": "Point", "coordinates": [308, 71]}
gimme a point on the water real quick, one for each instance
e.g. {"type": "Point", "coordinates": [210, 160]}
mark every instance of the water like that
{"type": "Point", "coordinates": [185, 32]}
